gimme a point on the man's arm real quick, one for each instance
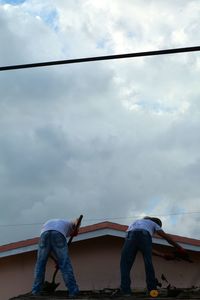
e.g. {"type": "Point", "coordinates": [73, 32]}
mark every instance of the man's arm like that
{"type": "Point", "coordinates": [75, 229]}
{"type": "Point", "coordinates": [169, 240]}
{"type": "Point", "coordinates": [76, 226]}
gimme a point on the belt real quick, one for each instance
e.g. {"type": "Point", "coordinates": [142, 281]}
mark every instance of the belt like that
{"type": "Point", "coordinates": [141, 230]}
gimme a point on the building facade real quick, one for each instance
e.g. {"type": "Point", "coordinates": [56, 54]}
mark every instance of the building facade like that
{"type": "Point", "coordinates": [95, 255]}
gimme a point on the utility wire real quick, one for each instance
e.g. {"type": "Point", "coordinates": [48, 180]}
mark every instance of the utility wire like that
{"type": "Point", "coordinates": [106, 219]}
{"type": "Point", "coordinates": [138, 216]}
{"type": "Point", "coordinates": [98, 58]}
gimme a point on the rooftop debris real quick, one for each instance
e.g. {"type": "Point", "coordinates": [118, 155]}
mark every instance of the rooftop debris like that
{"type": "Point", "coordinates": [166, 291]}
{"type": "Point", "coordinates": [168, 294]}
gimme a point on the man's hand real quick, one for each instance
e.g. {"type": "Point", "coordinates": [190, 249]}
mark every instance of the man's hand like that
{"type": "Point", "coordinates": [74, 233]}
{"type": "Point", "coordinates": [76, 226]}
{"type": "Point", "coordinates": [169, 239]}
{"type": "Point", "coordinates": [182, 251]}
{"type": "Point", "coordinates": [182, 254]}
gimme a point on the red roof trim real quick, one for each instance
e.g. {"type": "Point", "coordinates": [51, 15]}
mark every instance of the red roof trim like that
{"type": "Point", "coordinates": [19, 244]}
{"type": "Point", "coordinates": [182, 239]}
{"type": "Point", "coordinates": [94, 227]}
{"type": "Point", "coordinates": [103, 225]}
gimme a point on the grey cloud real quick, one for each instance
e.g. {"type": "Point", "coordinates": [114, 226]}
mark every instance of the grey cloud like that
{"type": "Point", "coordinates": [70, 145]}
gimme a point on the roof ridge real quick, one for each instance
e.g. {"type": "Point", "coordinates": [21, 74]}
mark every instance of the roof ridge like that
{"type": "Point", "coordinates": [94, 227]}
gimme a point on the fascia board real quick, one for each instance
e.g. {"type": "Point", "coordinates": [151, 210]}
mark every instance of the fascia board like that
{"type": "Point", "coordinates": [19, 250]}
{"type": "Point", "coordinates": [184, 245]}
{"type": "Point", "coordinates": [99, 233]}
{"type": "Point", "coordinates": [80, 237]}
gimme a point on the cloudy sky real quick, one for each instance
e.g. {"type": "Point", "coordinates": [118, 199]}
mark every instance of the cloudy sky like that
{"type": "Point", "coordinates": [112, 140]}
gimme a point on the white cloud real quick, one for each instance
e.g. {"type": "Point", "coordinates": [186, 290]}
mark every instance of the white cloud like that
{"type": "Point", "coordinates": [106, 139]}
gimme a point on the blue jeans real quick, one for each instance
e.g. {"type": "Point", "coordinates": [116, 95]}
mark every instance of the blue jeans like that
{"type": "Point", "coordinates": [54, 241]}
{"type": "Point", "coordinates": [137, 241]}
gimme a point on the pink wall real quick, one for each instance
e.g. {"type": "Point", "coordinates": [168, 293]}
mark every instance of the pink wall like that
{"type": "Point", "coordinates": [15, 275]}
{"type": "Point", "coordinates": [96, 266]}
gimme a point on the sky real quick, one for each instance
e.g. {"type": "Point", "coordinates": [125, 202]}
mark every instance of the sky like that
{"type": "Point", "coordinates": [112, 140]}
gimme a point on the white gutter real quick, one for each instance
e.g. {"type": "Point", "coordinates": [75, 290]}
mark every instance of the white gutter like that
{"type": "Point", "coordinates": [19, 250]}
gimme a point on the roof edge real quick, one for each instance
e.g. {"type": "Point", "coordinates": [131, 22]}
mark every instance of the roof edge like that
{"type": "Point", "coordinates": [93, 228]}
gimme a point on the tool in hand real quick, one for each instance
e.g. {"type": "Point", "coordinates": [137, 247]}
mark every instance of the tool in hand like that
{"type": "Point", "coordinates": [178, 255]}
{"type": "Point", "coordinates": [182, 256]}
{"type": "Point", "coordinates": [175, 255]}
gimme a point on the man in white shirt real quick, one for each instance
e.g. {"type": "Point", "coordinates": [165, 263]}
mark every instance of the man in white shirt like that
{"type": "Point", "coordinates": [53, 239]}
{"type": "Point", "coordinates": [139, 238]}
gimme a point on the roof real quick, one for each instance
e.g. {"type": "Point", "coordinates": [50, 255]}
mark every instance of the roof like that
{"type": "Point", "coordinates": [106, 294]}
{"type": "Point", "coordinates": [94, 231]}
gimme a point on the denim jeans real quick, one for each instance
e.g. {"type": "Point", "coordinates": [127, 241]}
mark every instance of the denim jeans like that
{"type": "Point", "coordinates": [54, 241]}
{"type": "Point", "coordinates": [137, 240]}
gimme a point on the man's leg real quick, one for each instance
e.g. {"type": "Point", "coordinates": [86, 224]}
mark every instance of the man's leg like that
{"type": "Point", "coordinates": [60, 249]}
{"type": "Point", "coordinates": [42, 256]}
{"type": "Point", "coordinates": [146, 248]}
{"type": "Point", "coordinates": [128, 255]}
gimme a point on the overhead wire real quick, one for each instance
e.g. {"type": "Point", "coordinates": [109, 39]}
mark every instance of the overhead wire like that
{"type": "Point", "coordinates": [100, 58]}
{"type": "Point", "coordinates": [105, 219]}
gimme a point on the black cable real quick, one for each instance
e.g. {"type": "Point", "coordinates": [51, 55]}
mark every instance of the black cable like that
{"type": "Point", "coordinates": [107, 219]}
{"type": "Point", "coordinates": [98, 58]}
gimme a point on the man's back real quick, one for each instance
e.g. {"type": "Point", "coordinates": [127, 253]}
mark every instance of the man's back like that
{"type": "Point", "coordinates": [60, 225]}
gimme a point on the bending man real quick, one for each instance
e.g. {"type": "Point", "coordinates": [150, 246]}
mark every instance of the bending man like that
{"type": "Point", "coordinates": [139, 238]}
{"type": "Point", "coordinates": [53, 239]}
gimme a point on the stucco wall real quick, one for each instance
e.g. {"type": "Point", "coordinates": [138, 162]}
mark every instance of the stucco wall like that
{"type": "Point", "coordinates": [15, 275]}
{"type": "Point", "coordinates": [96, 266]}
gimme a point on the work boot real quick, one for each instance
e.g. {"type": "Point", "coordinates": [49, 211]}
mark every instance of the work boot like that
{"type": "Point", "coordinates": [120, 293]}
{"type": "Point", "coordinates": [73, 296]}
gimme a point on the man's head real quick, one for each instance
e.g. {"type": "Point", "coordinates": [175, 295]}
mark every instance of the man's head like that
{"type": "Point", "coordinates": [155, 220]}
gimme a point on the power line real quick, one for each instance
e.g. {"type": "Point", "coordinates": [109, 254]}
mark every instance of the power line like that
{"type": "Point", "coordinates": [138, 216]}
{"type": "Point", "coordinates": [104, 219]}
{"type": "Point", "coordinates": [100, 58]}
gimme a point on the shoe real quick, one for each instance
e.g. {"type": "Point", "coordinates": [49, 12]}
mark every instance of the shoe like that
{"type": "Point", "coordinates": [120, 293]}
{"type": "Point", "coordinates": [73, 296]}
{"type": "Point", "coordinates": [30, 294]}
{"type": "Point", "coordinates": [42, 293]}
{"type": "Point", "coordinates": [35, 295]}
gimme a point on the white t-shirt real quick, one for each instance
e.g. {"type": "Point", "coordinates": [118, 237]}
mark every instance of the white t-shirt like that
{"type": "Point", "coordinates": [63, 226]}
{"type": "Point", "coordinates": [144, 224]}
